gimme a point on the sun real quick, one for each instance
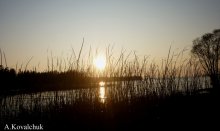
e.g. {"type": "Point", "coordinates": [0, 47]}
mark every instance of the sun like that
{"type": "Point", "coordinates": [100, 62]}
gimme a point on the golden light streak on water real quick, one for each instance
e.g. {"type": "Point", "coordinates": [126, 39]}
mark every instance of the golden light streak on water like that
{"type": "Point", "coordinates": [102, 94]}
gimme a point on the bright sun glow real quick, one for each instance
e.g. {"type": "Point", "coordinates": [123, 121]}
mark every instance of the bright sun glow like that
{"type": "Point", "coordinates": [100, 62]}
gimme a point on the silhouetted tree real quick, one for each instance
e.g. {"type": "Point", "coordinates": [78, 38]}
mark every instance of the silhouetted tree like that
{"type": "Point", "coordinates": [207, 50]}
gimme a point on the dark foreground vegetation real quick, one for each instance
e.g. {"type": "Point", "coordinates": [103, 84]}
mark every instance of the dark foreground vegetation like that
{"type": "Point", "coordinates": [198, 111]}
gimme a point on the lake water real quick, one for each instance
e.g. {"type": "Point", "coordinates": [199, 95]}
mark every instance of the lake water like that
{"type": "Point", "coordinates": [11, 106]}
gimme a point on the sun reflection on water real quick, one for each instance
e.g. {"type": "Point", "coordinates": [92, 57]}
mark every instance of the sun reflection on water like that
{"type": "Point", "coordinates": [101, 84]}
{"type": "Point", "coordinates": [102, 92]}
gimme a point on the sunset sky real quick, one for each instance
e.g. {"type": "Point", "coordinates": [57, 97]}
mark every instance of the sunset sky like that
{"type": "Point", "coordinates": [31, 27]}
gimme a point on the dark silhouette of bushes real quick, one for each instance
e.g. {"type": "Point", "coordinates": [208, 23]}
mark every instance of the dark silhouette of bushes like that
{"type": "Point", "coordinates": [40, 81]}
{"type": "Point", "coordinates": [7, 77]}
{"type": "Point", "coordinates": [44, 81]}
